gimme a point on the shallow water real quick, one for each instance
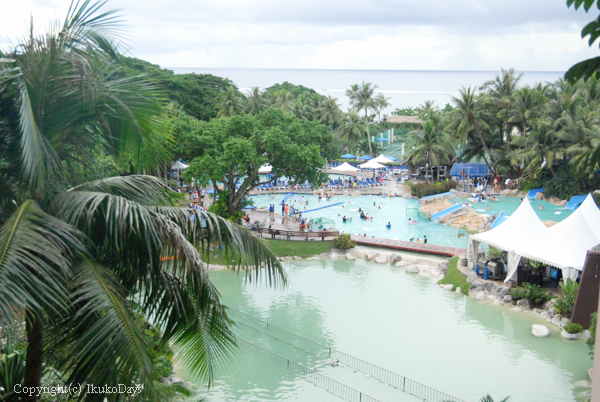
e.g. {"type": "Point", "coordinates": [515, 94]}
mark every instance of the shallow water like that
{"type": "Point", "coordinates": [397, 211]}
{"type": "Point", "coordinates": [404, 323]}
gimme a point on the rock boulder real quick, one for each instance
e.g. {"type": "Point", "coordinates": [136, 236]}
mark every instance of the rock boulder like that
{"type": "Point", "coordinates": [472, 277]}
{"type": "Point", "coordinates": [525, 304]}
{"type": "Point", "coordinates": [395, 257]}
{"type": "Point", "coordinates": [350, 257]}
{"type": "Point", "coordinates": [507, 299]}
{"type": "Point", "coordinates": [381, 260]}
{"type": "Point", "coordinates": [402, 264]}
{"type": "Point", "coordinates": [540, 330]}
{"type": "Point", "coordinates": [372, 255]}
{"type": "Point", "coordinates": [412, 269]}
{"type": "Point", "coordinates": [481, 296]}
{"type": "Point", "coordinates": [448, 286]}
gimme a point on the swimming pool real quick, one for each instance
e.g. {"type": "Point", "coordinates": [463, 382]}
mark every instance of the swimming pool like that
{"type": "Point", "coordinates": [402, 322]}
{"type": "Point", "coordinates": [397, 211]}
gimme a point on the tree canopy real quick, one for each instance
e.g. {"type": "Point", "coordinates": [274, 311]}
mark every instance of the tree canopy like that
{"type": "Point", "coordinates": [231, 151]}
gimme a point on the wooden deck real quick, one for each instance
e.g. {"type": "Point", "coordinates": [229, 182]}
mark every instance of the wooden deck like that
{"type": "Point", "coordinates": [408, 246]}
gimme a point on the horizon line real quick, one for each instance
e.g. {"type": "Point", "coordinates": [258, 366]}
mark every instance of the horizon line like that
{"type": "Point", "coordinates": [353, 69]}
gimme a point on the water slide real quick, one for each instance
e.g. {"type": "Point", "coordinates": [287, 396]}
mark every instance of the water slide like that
{"type": "Point", "coordinates": [288, 195]}
{"type": "Point", "coordinates": [437, 195]}
{"type": "Point", "coordinates": [575, 201]}
{"type": "Point", "coordinates": [532, 193]}
{"type": "Point", "coordinates": [499, 220]}
{"type": "Point", "coordinates": [436, 217]}
{"type": "Point", "coordinates": [297, 211]}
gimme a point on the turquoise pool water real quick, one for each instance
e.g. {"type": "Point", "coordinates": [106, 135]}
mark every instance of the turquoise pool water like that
{"type": "Point", "coordinates": [397, 211]}
{"type": "Point", "coordinates": [402, 322]}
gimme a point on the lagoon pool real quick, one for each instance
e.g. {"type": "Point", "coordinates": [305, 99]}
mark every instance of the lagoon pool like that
{"type": "Point", "coordinates": [402, 322]}
{"type": "Point", "coordinates": [397, 211]}
{"type": "Point", "coordinates": [508, 205]}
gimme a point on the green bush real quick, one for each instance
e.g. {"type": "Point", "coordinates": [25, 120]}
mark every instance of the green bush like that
{"type": "Point", "coordinates": [421, 190]}
{"type": "Point", "coordinates": [565, 303]}
{"type": "Point", "coordinates": [592, 339]}
{"type": "Point", "coordinates": [343, 242]}
{"type": "Point", "coordinates": [535, 293]}
{"type": "Point", "coordinates": [563, 184]}
{"type": "Point", "coordinates": [573, 328]}
{"type": "Point", "coordinates": [494, 253]}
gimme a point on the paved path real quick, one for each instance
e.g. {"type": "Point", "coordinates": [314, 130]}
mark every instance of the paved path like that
{"type": "Point", "coordinates": [408, 246]}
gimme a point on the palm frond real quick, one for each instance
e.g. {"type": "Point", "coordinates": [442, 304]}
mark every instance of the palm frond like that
{"type": "Point", "coordinates": [36, 254]}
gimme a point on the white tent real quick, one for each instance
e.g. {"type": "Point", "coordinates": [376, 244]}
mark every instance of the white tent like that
{"type": "Point", "coordinates": [179, 166]}
{"type": "Point", "coordinates": [264, 169]}
{"type": "Point", "coordinates": [371, 165]}
{"type": "Point", "coordinates": [522, 230]}
{"type": "Point", "coordinates": [382, 159]}
{"type": "Point", "coordinates": [345, 167]}
{"type": "Point", "coordinates": [590, 212]}
{"type": "Point", "coordinates": [566, 249]}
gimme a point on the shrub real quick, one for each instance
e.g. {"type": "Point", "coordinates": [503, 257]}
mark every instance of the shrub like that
{"type": "Point", "coordinates": [565, 303]}
{"type": "Point", "coordinates": [573, 328]}
{"type": "Point", "coordinates": [592, 339]}
{"type": "Point", "coordinates": [421, 190]}
{"type": "Point", "coordinates": [535, 293]}
{"type": "Point", "coordinates": [494, 253]}
{"type": "Point", "coordinates": [343, 242]}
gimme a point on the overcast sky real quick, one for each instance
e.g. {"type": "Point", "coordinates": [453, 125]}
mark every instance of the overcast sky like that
{"type": "Point", "coordinates": [529, 35]}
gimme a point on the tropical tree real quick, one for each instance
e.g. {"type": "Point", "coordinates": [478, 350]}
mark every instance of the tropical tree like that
{"type": "Point", "coordinates": [229, 103]}
{"type": "Point", "coordinates": [328, 112]}
{"type": "Point", "coordinates": [364, 101]}
{"type": "Point", "coordinates": [468, 116]}
{"type": "Point", "coordinates": [431, 141]}
{"type": "Point", "coordinates": [352, 129]}
{"type": "Point", "coordinates": [254, 101]}
{"type": "Point", "coordinates": [283, 99]}
{"type": "Point", "coordinates": [301, 108]}
{"type": "Point", "coordinates": [78, 260]}
{"type": "Point", "coordinates": [380, 103]}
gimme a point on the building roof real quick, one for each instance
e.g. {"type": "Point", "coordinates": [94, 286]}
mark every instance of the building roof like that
{"type": "Point", "coordinates": [404, 119]}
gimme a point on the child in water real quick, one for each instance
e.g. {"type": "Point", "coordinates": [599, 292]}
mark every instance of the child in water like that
{"type": "Point", "coordinates": [389, 226]}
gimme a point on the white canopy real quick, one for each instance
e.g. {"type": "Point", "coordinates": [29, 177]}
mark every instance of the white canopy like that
{"type": "Point", "coordinates": [382, 159]}
{"type": "Point", "coordinates": [371, 165]}
{"type": "Point", "coordinates": [523, 229]}
{"type": "Point", "coordinates": [590, 212]}
{"type": "Point", "coordinates": [179, 165]}
{"type": "Point", "coordinates": [566, 249]}
{"type": "Point", "coordinates": [264, 169]}
{"type": "Point", "coordinates": [345, 167]}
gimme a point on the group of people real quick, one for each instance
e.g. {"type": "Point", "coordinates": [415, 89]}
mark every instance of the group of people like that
{"type": "Point", "coordinates": [412, 239]}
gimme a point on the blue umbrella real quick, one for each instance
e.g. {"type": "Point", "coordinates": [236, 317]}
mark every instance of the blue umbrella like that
{"type": "Point", "coordinates": [382, 139]}
{"type": "Point", "coordinates": [390, 157]}
{"type": "Point", "coordinates": [348, 156]}
{"type": "Point", "coordinates": [366, 158]}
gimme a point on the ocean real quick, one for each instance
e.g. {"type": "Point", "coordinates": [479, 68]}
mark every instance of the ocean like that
{"type": "Point", "coordinates": [404, 88]}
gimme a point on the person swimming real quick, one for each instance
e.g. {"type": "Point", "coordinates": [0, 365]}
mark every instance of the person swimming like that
{"type": "Point", "coordinates": [389, 225]}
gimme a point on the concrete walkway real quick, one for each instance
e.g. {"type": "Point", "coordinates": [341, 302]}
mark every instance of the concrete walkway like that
{"type": "Point", "coordinates": [409, 246]}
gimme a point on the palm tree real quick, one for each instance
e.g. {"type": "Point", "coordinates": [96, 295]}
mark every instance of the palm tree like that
{"type": "Point", "coordinates": [352, 129]}
{"type": "Point", "coordinates": [380, 102]}
{"type": "Point", "coordinates": [364, 101]}
{"type": "Point", "coordinates": [352, 96]}
{"type": "Point", "coordinates": [77, 260]}
{"type": "Point", "coordinates": [431, 141]}
{"type": "Point", "coordinates": [283, 99]}
{"type": "Point", "coordinates": [488, 398]}
{"type": "Point", "coordinates": [229, 103]}
{"type": "Point", "coordinates": [329, 112]}
{"type": "Point", "coordinates": [301, 108]}
{"type": "Point", "coordinates": [254, 101]}
{"type": "Point", "coordinates": [468, 115]}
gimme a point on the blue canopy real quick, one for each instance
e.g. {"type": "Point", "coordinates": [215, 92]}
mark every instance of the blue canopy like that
{"type": "Point", "coordinates": [390, 158]}
{"type": "Point", "coordinates": [382, 139]}
{"type": "Point", "coordinates": [348, 156]}
{"type": "Point", "coordinates": [366, 158]}
{"type": "Point", "coordinates": [209, 191]}
{"type": "Point", "coordinates": [471, 169]}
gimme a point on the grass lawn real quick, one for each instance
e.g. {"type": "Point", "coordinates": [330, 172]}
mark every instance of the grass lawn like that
{"type": "Point", "coordinates": [455, 277]}
{"type": "Point", "coordinates": [282, 248]}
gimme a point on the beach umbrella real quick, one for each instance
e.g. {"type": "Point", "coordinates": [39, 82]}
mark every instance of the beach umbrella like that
{"type": "Point", "coordinates": [348, 156]}
{"type": "Point", "coordinates": [264, 169]}
{"type": "Point", "coordinates": [382, 139]}
{"type": "Point", "coordinates": [366, 157]}
{"type": "Point", "coordinates": [371, 165]}
{"type": "Point", "coordinates": [179, 166]}
{"type": "Point", "coordinates": [382, 159]}
{"type": "Point", "coordinates": [345, 167]}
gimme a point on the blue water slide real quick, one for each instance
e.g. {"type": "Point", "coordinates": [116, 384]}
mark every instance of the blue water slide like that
{"type": "Point", "coordinates": [436, 217]}
{"type": "Point", "coordinates": [297, 211]}
{"type": "Point", "coordinates": [532, 193]}
{"type": "Point", "coordinates": [287, 197]}
{"type": "Point", "coordinates": [436, 195]}
{"type": "Point", "coordinates": [575, 201]}
{"type": "Point", "coordinates": [499, 220]}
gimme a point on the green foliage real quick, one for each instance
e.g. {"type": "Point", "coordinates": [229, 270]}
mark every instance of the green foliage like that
{"type": "Point", "coordinates": [421, 190]}
{"type": "Point", "coordinates": [494, 253]}
{"type": "Point", "coordinates": [455, 277]}
{"type": "Point", "coordinates": [591, 341]}
{"type": "Point", "coordinates": [219, 207]}
{"type": "Point", "coordinates": [344, 241]}
{"type": "Point", "coordinates": [196, 94]}
{"type": "Point", "coordinates": [294, 89]}
{"type": "Point", "coordinates": [12, 371]}
{"type": "Point", "coordinates": [573, 328]}
{"type": "Point", "coordinates": [565, 303]}
{"type": "Point", "coordinates": [535, 293]}
{"type": "Point", "coordinates": [587, 68]}
{"type": "Point", "coordinates": [231, 150]}
{"type": "Point", "coordinates": [488, 398]}
{"type": "Point", "coordinates": [562, 184]}
{"type": "Point", "coordinates": [407, 111]}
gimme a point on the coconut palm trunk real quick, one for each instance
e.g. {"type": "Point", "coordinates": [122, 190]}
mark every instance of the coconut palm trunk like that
{"type": "Point", "coordinates": [34, 362]}
{"type": "Point", "coordinates": [368, 133]}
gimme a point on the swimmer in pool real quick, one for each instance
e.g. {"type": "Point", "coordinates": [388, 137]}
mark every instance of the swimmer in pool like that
{"type": "Point", "coordinates": [389, 226]}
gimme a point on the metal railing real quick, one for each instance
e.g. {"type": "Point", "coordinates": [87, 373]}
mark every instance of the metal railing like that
{"type": "Point", "coordinates": [320, 380]}
{"type": "Point", "coordinates": [395, 380]}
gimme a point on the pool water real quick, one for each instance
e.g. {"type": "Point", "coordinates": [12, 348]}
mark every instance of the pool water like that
{"type": "Point", "coordinates": [402, 322]}
{"type": "Point", "coordinates": [397, 211]}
